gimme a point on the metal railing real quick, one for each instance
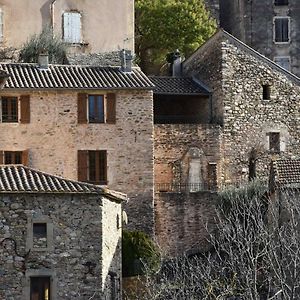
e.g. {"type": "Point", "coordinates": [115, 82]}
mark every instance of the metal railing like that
{"type": "Point", "coordinates": [186, 187]}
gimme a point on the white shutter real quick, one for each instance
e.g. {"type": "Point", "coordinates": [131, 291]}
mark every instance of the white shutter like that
{"type": "Point", "coordinates": [1, 25]}
{"type": "Point", "coordinates": [72, 27]}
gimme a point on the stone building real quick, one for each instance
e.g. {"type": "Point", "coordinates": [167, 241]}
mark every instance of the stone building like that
{"type": "Point", "coordinates": [59, 239]}
{"type": "Point", "coordinates": [85, 123]}
{"type": "Point", "coordinates": [88, 26]}
{"type": "Point", "coordinates": [221, 122]}
{"type": "Point", "coordinates": [269, 26]}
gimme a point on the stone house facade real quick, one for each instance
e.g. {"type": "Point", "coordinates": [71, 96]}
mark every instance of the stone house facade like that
{"type": "Point", "coordinates": [59, 239]}
{"type": "Point", "coordinates": [253, 118]}
{"type": "Point", "coordinates": [269, 26]}
{"type": "Point", "coordinates": [92, 124]}
{"type": "Point", "coordinates": [86, 25]}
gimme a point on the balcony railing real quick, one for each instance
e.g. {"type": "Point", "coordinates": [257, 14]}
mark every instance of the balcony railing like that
{"type": "Point", "coordinates": [187, 187]}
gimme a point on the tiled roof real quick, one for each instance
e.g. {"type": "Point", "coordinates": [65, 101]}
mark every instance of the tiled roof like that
{"type": "Point", "coordinates": [287, 171]}
{"type": "Point", "coordinates": [21, 179]}
{"type": "Point", "coordinates": [177, 86]}
{"type": "Point", "coordinates": [30, 76]}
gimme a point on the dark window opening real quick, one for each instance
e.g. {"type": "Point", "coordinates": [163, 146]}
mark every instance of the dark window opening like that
{"type": "Point", "coordinates": [96, 108]}
{"type": "Point", "coordinates": [282, 32]}
{"type": "Point", "coordinates": [172, 109]}
{"type": "Point", "coordinates": [12, 157]}
{"type": "Point", "coordinates": [274, 142]}
{"type": "Point", "coordinates": [281, 2]}
{"type": "Point", "coordinates": [266, 92]}
{"type": "Point", "coordinates": [39, 235]}
{"type": "Point", "coordinates": [97, 166]}
{"type": "Point", "coordinates": [212, 176]}
{"type": "Point", "coordinates": [9, 109]}
{"type": "Point", "coordinates": [40, 288]}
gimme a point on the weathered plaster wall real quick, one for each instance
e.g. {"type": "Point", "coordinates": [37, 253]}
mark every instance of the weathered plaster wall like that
{"type": "Point", "coordinates": [79, 236]}
{"type": "Point", "coordinates": [54, 136]}
{"type": "Point", "coordinates": [183, 221]}
{"type": "Point", "coordinates": [106, 25]}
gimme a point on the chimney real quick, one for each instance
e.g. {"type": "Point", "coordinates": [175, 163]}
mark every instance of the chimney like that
{"type": "Point", "coordinates": [174, 59]}
{"type": "Point", "coordinates": [126, 60]}
{"type": "Point", "coordinates": [3, 78]}
{"type": "Point", "coordinates": [43, 60]}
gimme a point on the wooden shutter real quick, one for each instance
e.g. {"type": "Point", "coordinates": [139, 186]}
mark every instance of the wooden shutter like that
{"type": "Point", "coordinates": [72, 27]}
{"type": "Point", "coordinates": [82, 108]}
{"type": "Point", "coordinates": [25, 157]}
{"type": "Point", "coordinates": [111, 108]}
{"type": "Point", "coordinates": [82, 165]}
{"type": "Point", "coordinates": [1, 157]}
{"type": "Point", "coordinates": [25, 108]}
{"type": "Point", "coordinates": [102, 166]}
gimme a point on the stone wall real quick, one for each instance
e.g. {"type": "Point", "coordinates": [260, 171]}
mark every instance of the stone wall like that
{"type": "Point", "coordinates": [79, 238]}
{"type": "Point", "coordinates": [54, 136]}
{"type": "Point", "coordinates": [252, 22]}
{"type": "Point", "coordinates": [183, 221]}
{"type": "Point", "coordinates": [248, 118]}
{"type": "Point", "coordinates": [173, 141]}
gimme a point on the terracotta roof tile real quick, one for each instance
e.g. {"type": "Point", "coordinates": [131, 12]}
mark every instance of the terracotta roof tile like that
{"type": "Point", "coordinates": [21, 179]}
{"type": "Point", "coordinates": [287, 171]}
{"type": "Point", "coordinates": [31, 76]}
{"type": "Point", "coordinates": [177, 86]}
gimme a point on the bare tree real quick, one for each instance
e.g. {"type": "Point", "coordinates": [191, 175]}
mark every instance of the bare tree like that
{"type": "Point", "coordinates": [255, 253]}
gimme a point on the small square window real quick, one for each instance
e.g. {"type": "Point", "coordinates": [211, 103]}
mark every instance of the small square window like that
{"type": "Point", "coordinates": [274, 142]}
{"type": "Point", "coordinates": [9, 109]}
{"type": "Point", "coordinates": [39, 235]}
{"type": "Point", "coordinates": [266, 92]}
{"type": "Point", "coordinates": [40, 288]}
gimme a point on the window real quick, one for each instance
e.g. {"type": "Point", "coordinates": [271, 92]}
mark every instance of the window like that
{"type": "Point", "coordinates": [14, 157]}
{"type": "Point", "coordinates": [92, 166]}
{"type": "Point", "coordinates": [39, 235]}
{"type": "Point", "coordinates": [281, 29]}
{"type": "Point", "coordinates": [212, 176]}
{"type": "Point", "coordinates": [281, 2]}
{"type": "Point", "coordinates": [274, 142]}
{"type": "Point", "coordinates": [72, 27]}
{"type": "Point", "coordinates": [96, 108]}
{"type": "Point", "coordinates": [266, 92]}
{"type": "Point", "coordinates": [40, 288]}
{"type": "Point", "coordinates": [10, 109]}
{"type": "Point", "coordinates": [283, 61]}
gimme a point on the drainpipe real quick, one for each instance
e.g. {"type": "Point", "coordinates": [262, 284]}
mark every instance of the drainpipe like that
{"type": "Point", "coordinates": [52, 13]}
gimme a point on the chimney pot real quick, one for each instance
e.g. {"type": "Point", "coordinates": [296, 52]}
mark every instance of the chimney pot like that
{"type": "Point", "coordinates": [43, 60]}
{"type": "Point", "coordinates": [126, 60]}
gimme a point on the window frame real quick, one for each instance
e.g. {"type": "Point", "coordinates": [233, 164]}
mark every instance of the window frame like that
{"type": "Point", "coordinates": [9, 117]}
{"type": "Point", "coordinates": [104, 108]}
{"type": "Point", "coordinates": [71, 39]}
{"type": "Point", "coordinates": [30, 242]}
{"type": "Point", "coordinates": [266, 92]}
{"type": "Point", "coordinates": [277, 148]}
{"type": "Point", "coordinates": [283, 57]}
{"type": "Point", "coordinates": [41, 278]}
{"type": "Point", "coordinates": [288, 29]}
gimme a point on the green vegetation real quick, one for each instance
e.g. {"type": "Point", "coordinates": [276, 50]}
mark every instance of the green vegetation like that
{"type": "Point", "coordinates": [46, 41]}
{"type": "Point", "coordinates": [138, 252]}
{"type": "Point", "coordinates": [162, 26]}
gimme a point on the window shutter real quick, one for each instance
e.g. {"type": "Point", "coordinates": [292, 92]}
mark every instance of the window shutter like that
{"type": "Point", "coordinates": [82, 108]}
{"type": "Point", "coordinates": [25, 157]}
{"type": "Point", "coordinates": [1, 157]}
{"type": "Point", "coordinates": [111, 108]}
{"type": "Point", "coordinates": [25, 108]}
{"type": "Point", "coordinates": [72, 27]}
{"type": "Point", "coordinates": [1, 25]}
{"type": "Point", "coordinates": [82, 165]}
